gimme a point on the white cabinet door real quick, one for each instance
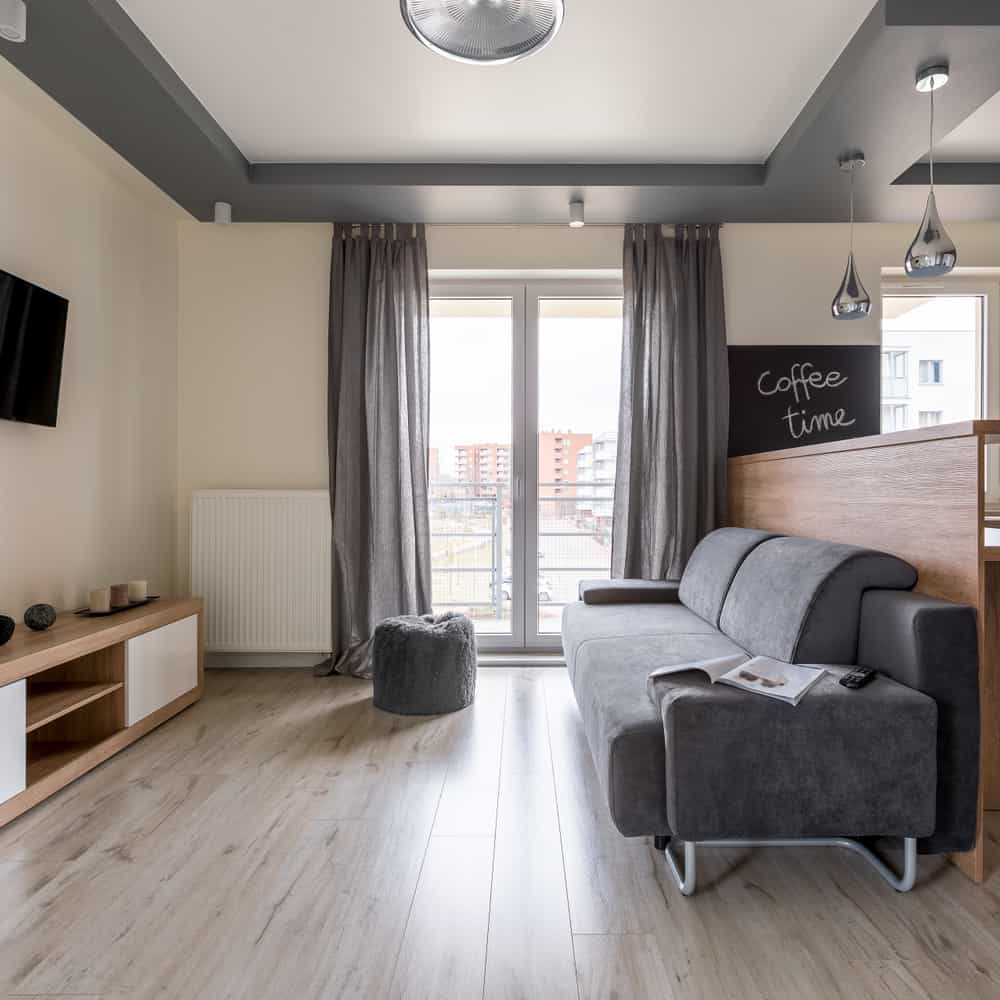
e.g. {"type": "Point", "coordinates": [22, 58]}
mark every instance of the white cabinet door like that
{"type": "Point", "coordinates": [13, 774]}
{"type": "Point", "coordinates": [162, 665]}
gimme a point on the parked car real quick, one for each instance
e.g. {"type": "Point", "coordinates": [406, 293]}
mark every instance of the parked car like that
{"type": "Point", "coordinates": [544, 588]}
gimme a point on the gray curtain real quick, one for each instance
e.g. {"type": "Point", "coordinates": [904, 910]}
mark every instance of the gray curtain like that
{"type": "Point", "coordinates": [379, 414]}
{"type": "Point", "coordinates": [674, 419]}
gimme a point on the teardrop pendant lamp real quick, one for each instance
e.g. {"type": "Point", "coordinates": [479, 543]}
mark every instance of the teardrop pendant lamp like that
{"type": "Point", "coordinates": [932, 252]}
{"type": "Point", "coordinates": [852, 300]}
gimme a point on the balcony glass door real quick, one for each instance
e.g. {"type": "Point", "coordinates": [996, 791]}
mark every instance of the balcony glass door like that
{"type": "Point", "coordinates": [524, 418]}
{"type": "Point", "coordinates": [474, 352]}
{"type": "Point", "coordinates": [574, 348]}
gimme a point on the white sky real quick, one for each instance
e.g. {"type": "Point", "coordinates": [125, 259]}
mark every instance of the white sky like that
{"type": "Point", "coordinates": [471, 378]}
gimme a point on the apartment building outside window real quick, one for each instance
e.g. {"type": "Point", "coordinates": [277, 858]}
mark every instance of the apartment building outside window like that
{"type": "Point", "coordinates": [934, 347]}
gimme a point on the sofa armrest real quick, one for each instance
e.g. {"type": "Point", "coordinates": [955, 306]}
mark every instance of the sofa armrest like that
{"type": "Point", "coordinates": [840, 763]}
{"type": "Point", "coordinates": [933, 646]}
{"type": "Point", "coordinates": [629, 591]}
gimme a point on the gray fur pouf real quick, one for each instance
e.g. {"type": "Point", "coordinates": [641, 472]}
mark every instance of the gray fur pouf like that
{"type": "Point", "coordinates": [425, 665]}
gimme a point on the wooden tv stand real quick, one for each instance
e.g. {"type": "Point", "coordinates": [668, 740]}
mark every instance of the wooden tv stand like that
{"type": "Point", "coordinates": [76, 694]}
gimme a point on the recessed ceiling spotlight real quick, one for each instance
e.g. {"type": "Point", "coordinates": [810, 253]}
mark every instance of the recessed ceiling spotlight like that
{"type": "Point", "coordinates": [483, 32]}
{"type": "Point", "coordinates": [13, 20]}
{"type": "Point", "coordinates": [576, 217]}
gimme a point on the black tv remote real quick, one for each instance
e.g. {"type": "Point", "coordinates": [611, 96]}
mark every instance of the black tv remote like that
{"type": "Point", "coordinates": [858, 677]}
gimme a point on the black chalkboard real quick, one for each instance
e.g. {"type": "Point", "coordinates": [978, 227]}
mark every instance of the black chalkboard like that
{"type": "Point", "coordinates": [783, 397]}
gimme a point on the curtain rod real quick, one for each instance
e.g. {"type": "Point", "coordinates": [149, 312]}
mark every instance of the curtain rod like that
{"type": "Point", "coordinates": [557, 225]}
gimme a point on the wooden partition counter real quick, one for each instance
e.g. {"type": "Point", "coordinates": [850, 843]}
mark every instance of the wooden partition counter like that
{"type": "Point", "coordinates": [74, 695]}
{"type": "Point", "coordinates": [918, 494]}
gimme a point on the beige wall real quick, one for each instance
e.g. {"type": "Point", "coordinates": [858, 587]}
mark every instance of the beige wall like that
{"type": "Point", "coordinates": [254, 301]}
{"type": "Point", "coordinates": [780, 279]}
{"type": "Point", "coordinates": [92, 500]}
{"type": "Point", "coordinates": [253, 322]}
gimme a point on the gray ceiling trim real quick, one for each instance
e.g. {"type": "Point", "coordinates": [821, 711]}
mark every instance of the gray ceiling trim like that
{"type": "Point", "coordinates": [927, 13]}
{"type": "Point", "coordinates": [146, 54]}
{"type": "Point", "coordinates": [951, 174]}
{"type": "Point", "coordinates": [90, 57]}
{"type": "Point", "coordinates": [513, 174]}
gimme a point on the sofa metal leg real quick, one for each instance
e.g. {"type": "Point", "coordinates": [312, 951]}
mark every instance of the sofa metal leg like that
{"type": "Point", "coordinates": [660, 842]}
{"type": "Point", "coordinates": [902, 882]}
{"type": "Point", "coordinates": [688, 880]}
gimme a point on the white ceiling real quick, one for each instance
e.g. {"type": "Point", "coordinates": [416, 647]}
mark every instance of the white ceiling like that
{"type": "Point", "coordinates": [624, 81]}
{"type": "Point", "coordinates": [976, 140]}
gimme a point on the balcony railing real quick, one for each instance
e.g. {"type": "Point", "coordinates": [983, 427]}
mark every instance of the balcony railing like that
{"type": "Point", "coordinates": [471, 545]}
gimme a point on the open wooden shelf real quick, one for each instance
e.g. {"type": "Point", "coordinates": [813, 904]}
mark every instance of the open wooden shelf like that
{"type": "Point", "coordinates": [50, 701]}
{"type": "Point", "coordinates": [47, 758]}
{"type": "Point", "coordinates": [86, 688]}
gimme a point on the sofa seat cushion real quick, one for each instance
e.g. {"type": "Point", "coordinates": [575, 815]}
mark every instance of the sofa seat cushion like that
{"type": "Point", "coordinates": [583, 623]}
{"type": "Point", "coordinates": [841, 763]}
{"type": "Point", "coordinates": [799, 599]}
{"type": "Point", "coordinates": [623, 726]}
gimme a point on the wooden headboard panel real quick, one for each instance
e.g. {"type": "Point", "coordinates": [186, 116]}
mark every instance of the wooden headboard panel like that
{"type": "Point", "coordinates": [918, 495]}
{"type": "Point", "coordinates": [914, 494]}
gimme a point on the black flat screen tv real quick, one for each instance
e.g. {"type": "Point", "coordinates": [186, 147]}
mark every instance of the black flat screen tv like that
{"type": "Point", "coordinates": [32, 335]}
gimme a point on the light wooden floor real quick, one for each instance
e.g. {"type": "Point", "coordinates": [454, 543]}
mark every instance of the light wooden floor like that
{"type": "Point", "coordinates": [283, 839]}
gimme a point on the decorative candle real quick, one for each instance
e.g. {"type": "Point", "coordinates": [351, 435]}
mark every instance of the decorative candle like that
{"type": "Point", "coordinates": [119, 595]}
{"type": "Point", "coordinates": [137, 590]}
{"type": "Point", "coordinates": [100, 599]}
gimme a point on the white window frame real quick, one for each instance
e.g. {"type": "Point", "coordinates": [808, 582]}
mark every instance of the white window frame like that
{"type": "Point", "coordinates": [988, 355]}
{"type": "Point", "coordinates": [525, 294]}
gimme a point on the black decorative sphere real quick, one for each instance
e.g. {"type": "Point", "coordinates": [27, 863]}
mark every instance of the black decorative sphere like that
{"type": "Point", "coordinates": [6, 628]}
{"type": "Point", "coordinates": [39, 617]}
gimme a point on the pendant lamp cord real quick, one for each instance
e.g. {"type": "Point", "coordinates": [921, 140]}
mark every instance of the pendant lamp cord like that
{"type": "Point", "coordinates": [931, 142]}
{"type": "Point", "coordinates": [852, 211]}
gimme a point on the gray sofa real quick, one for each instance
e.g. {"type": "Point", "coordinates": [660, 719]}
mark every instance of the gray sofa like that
{"type": "Point", "coordinates": [700, 763]}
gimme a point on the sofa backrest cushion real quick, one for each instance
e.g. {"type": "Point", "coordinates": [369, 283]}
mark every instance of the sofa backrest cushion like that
{"type": "Point", "coordinates": [799, 599]}
{"type": "Point", "coordinates": [712, 567]}
{"type": "Point", "coordinates": [933, 646]}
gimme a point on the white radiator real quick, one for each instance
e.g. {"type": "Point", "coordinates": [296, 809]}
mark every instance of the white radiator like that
{"type": "Point", "coordinates": [261, 561]}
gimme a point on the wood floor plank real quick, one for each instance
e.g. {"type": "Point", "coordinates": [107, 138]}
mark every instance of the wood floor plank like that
{"type": "Point", "coordinates": [530, 949]}
{"type": "Point", "coordinates": [102, 814]}
{"type": "Point", "coordinates": [609, 888]}
{"type": "Point", "coordinates": [361, 965]}
{"type": "Point", "coordinates": [621, 965]}
{"type": "Point", "coordinates": [444, 947]}
{"type": "Point", "coordinates": [469, 801]}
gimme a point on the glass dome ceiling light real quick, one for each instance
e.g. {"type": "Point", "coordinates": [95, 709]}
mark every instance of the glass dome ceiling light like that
{"type": "Point", "coordinates": [483, 32]}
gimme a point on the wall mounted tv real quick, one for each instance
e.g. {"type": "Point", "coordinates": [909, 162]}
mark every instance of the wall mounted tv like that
{"type": "Point", "coordinates": [32, 334]}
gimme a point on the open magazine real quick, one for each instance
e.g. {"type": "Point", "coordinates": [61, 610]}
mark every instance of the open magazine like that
{"type": "Point", "coordinates": [787, 682]}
